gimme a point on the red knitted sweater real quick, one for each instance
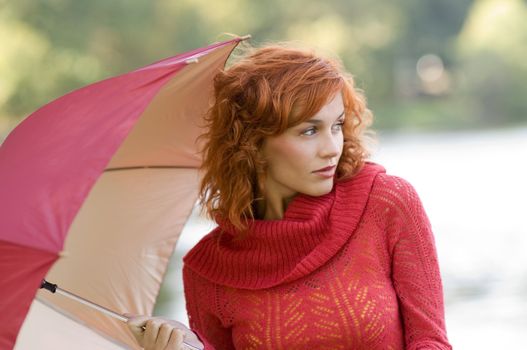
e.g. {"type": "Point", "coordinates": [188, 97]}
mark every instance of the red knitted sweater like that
{"type": "Point", "coordinates": [353, 269]}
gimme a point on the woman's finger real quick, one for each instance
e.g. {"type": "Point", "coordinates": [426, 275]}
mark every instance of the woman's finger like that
{"type": "Point", "coordinates": [137, 321]}
{"type": "Point", "coordinates": [176, 340]}
{"type": "Point", "coordinates": [136, 324]}
{"type": "Point", "coordinates": [151, 333]}
{"type": "Point", "coordinates": [163, 336]}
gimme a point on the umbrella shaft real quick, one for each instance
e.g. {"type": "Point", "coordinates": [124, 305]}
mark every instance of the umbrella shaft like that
{"type": "Point", "coordinates": [104, 310]}
{"type": "Point", "coordinates": [91, 304]}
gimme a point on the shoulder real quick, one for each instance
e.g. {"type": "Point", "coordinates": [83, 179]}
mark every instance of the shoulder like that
{"type": "Point", "coordinates": [199, 254]}
{"type": "Point", "coordinates": [398, 210]}
{"type": "Point", "coordinates": [395, 199]}
{"type": "Point", "coordinates": [395, 190]}
{"type": "Point", "coordinates": [196, 261]}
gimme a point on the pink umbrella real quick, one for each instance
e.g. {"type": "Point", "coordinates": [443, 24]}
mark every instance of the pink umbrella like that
{"type": "Point", "coordinates": [95, 188]}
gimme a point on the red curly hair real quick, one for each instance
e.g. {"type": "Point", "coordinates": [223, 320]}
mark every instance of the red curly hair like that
{"type": "Point", "coordinates": [269, 90]}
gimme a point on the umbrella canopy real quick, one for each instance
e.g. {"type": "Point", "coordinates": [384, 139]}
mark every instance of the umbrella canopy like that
{"type": "Point", "coordinates": [95, 188]}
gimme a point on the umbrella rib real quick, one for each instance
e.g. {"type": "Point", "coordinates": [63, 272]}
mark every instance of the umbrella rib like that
{"type": "Point", "coordinates": [93, 305]}
{"type": "Point", "coordinates": [150, 167]}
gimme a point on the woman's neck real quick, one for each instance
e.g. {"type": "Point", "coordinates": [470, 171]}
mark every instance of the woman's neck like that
{"type": "Point", "coordinates": [272, 208]}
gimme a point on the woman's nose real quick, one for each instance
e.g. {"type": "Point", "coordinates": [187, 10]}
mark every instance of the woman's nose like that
{"type": "Point", "coordinates": [331, 147]}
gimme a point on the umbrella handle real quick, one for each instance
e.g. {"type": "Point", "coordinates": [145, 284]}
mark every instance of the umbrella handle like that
{"type": "Point", "coordinates": [53, 288]}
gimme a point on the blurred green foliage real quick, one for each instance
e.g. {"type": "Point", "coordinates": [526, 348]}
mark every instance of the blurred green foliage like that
{"type": "Point", "coordinates": [431, 64]}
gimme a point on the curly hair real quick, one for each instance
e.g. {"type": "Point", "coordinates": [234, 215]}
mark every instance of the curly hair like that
{"type": "Point", "coordinates": [267, 91]}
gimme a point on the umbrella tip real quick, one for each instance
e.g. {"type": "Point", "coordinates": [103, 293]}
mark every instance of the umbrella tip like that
{"type": "Point", "coordinates": [192, 60]}
{"type": "Point", "coordinates": [245, 37]}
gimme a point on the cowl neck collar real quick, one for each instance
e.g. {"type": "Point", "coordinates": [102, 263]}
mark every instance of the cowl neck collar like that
{"type": "Point", "coordinates": [311, 232]}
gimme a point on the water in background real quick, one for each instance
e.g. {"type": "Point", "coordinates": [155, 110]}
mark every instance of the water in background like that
{"type": "Point", "coordinates": [473, 186]}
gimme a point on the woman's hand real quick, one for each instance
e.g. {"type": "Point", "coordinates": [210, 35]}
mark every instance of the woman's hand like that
{"type": "Point", "coordinates": [157, 333]}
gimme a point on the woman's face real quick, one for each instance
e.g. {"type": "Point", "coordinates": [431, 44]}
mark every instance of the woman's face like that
{"type": "Point", "coordinates": [295, 156]}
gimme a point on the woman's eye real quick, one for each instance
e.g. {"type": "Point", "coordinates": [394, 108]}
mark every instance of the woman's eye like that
{"type": "Point", "coordinates": [313, 130]}
{"type": "Point", "coordinates": [309, 132]}
{"type": "Point", "coordinates": [339, 125]}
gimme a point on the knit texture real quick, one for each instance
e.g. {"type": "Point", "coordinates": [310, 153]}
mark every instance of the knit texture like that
{"type": "Point", "coordinates": [353, 269]}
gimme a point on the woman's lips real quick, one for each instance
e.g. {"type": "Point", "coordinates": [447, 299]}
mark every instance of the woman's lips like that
{"type": "Point", "coordinates": [326, 172]}
{"type": "Point", "coordinates": [325, 169]}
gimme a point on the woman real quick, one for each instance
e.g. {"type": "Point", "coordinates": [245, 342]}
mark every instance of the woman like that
{"type": "Point", "coordinates": [316, 247]}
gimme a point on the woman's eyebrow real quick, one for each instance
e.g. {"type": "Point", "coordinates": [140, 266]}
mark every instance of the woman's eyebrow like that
{"type": "Point", "coordinates": [318, 121]}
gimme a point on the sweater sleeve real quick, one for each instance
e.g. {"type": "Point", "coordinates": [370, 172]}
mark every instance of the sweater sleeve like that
{"type": "Point", "coordinates": [415, 272]}
{"type": "Point", "coordinates": [199, 298]}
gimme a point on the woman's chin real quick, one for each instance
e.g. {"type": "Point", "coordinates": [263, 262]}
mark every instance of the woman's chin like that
{"type": "Point", "coordinates": [320, 189]}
